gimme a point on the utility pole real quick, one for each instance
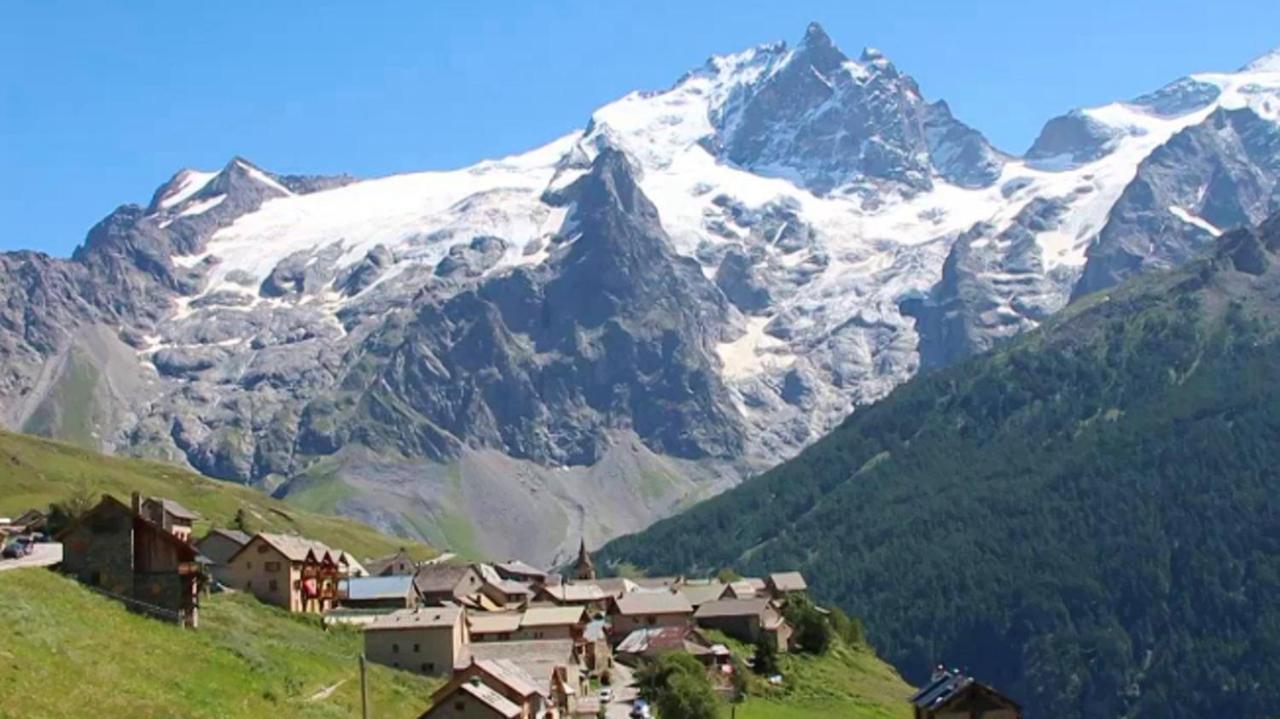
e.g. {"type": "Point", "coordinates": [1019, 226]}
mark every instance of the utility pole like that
{"type": "Point", "coordinates": [364, 689]}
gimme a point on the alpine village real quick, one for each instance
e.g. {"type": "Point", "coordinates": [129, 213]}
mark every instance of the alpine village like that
{"type": "Point", "coordinates": [494, 639]}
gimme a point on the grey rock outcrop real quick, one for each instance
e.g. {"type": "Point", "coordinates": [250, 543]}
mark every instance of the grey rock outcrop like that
{"type": "Point", "coordinates": [1222, 173]}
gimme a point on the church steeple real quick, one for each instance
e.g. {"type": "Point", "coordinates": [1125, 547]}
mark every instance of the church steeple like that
{"type": "Point", "coordinates": [584, 568]}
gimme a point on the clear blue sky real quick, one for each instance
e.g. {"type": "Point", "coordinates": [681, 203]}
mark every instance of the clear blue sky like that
{"type": "Point", "coordinates": [101, 102]}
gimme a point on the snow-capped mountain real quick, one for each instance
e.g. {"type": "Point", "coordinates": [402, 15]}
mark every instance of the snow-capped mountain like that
{"type": "Point", "coordinates": [587, 336]}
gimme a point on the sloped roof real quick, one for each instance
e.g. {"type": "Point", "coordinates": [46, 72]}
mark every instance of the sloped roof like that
{"type": "Point", "coordinates": [576, 593]}
{"type": "Point", "coordinates": [440, 577]}
{"type": "Point", "coordinates": [392, 587]}
{"type": "Point", "coordinates": [662, 602]}
{"type": "Point", "coordinates": [788, 582]}
{"type": "Point", "coordinates": [234, 535]}
{"type": "Point", "coordinates": [295, 548]}
{"type": "Point", "coordinates": [422, 618]}
{"type": "Point", "coordinates": [378, 565]}
{"type": "Point", "coordinates": [512, 675]}
{"type": "Point", "coordinates": [186, 552]}
{"type": "Point", "coordinates": [493, 622]}
{"type": "Point", "coordinates": [732, 608]}
{"type": "Point", "coordinates": [551, 616]}
{"type": "Point", "coordinates": [174, 508]}
{"type": "Point", "coordinates": [702, 592]}
{"type": "Point", "coordinates": [653, 639]}
{"type": "Point", "coordinates": [537, 658]}
{"type": "Point", "coordinates": [742, 588]}
{"type": "Point", "coordinates": [613, 586]}
{"type": "Point", "coordinates": [492, 578]}
{"type": "Point", "coordinates": [517, 567]}
{"type": "Point", "coordinates": [947, 685]}
{"type": "Point", "coordinates": [495, 701]}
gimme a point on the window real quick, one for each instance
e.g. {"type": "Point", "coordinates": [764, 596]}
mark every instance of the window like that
{"type": "Point", "coordinates": [395, 648]}
{"type": "Point", "coordinates": [248, 584]}
{"type": "Point", "coordinates": [651, 620]}
{"type": "Point", "coordinates": [272, 566]}
{"type": "Point", "coordinates": [273, 586]}
{"type": "Point", "coordinates": [417, 648]}
{"type": "Point", "coordinates": [459, 707]}
{"type": "Point", "coordinates": [428, 667]}
{"type": "Point", "coordinates": [248, 565]}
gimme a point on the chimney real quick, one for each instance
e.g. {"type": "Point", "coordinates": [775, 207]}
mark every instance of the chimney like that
{"type": "Point", "coordinates": [137, 502]}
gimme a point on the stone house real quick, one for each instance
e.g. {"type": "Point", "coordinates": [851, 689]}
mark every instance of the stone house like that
{"type": "Point", "coordinates": [502, 676]}
{"type": "Point", "coordinates": [641, 609]}
{"type": "Point", "coordinates": [542, 622]}
{"type": "Point", "coordinates": [219, 546]}
{"type": "Point", "coordinates": [590, 596]}
{"type": "Point", "coordinates": [494, 626]}
{"type": "Point", "coordinates": [171, 516]}
{"type": "Point", "coordinates": [473, 699]}
{"type": "Point", "coordinates": [397, 564]}
{"type": "Point", "coordinates": [519, 571]}
{"type": "Point", "coordinates": [649, 644]}
{"type": "Point", "coordinates": [745, 588]}
{"type": "Point", "coordinates": [781, 585]}
{"type": "Point", "coordinates": [115, 549]}
{"type": "Point", "coordinates": [426, 640]}
{"type": "Point", "coordinates": [748, 620]}
{"type": "Point", "coordinates": [447, 583]}
{"type": "Point", "coordinates": [298, 574]}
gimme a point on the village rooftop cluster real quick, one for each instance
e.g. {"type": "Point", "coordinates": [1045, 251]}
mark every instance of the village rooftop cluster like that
{"type": "Point", "coordinates": [510, 639]}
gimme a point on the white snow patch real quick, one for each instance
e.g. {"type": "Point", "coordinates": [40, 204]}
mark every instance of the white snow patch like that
{"type": "Point", "coordinates": [189, 183]}
{"type": "Point", "coordinates": [202, 206]}
{"type": "Point", "coordinates": [1196, 220]}
{"type": "Point", "coordinates": [264, 179]}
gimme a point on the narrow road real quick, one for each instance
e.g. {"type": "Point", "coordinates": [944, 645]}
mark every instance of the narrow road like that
{"type": "Point", "coordinates": [42, 555]}
{"type": "Point", "coordinates": [624, 692]}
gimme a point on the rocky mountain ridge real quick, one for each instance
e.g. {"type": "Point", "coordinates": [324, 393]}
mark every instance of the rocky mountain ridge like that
{"type": "Point", "coordinates": [594, 333]}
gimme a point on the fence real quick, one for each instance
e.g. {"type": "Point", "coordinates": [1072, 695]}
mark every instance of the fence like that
{"type": "Point", "coordinates": [141, 607]}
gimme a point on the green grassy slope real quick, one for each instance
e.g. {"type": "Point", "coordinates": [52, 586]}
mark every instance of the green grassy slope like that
{"type": "Point", "coordinates": [35, 472]}
{"type": "Point", "coordinates": [848, 682]}
{"type": "Point", "coordinates": [67, 652]}
{"type": "Point", "coordinates": [1088, 517]}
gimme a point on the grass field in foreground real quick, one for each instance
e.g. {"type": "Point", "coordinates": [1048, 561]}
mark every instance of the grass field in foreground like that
{"type": "Point", "coordinates": [68, 652]}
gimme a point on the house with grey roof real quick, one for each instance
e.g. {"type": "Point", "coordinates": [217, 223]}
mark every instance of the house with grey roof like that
{"type": "Point", "coordinates": [396, 591]}
{"type": "Point", "coordinates": [426, 640]}
{"type": "Point", "coordinates": [647, 609]}
{"type": "Point", "coordinates": [951, 693]}
{"type": "Point", "coordinates": [170, 516]}
{"type": "Point", "coordinates": [447, 583]}
{"type": "Point", "coordinates": [219, 546]}
{"type": "Point", "coordinates": [747, 620]}
{"type": "Point", "coordinates": [783, 584]}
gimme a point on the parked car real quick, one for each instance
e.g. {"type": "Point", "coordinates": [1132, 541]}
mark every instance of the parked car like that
{"type": "Point", "coordinates": [640, 710]}
{"type": "Point", "coordinates": [606, 695]}
{"type": "Point", "coordinates": [16, 549]}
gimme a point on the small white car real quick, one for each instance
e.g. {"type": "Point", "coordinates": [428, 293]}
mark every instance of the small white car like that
{"type": "Point", "coordinates": [606, 695]}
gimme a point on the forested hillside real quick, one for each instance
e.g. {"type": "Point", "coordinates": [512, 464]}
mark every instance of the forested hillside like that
{"type": "Point", "coordinates": [1088, 517]}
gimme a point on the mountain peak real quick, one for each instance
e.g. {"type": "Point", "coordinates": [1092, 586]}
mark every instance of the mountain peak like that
{"type": "Point", "coordinates": [1269, 62]}
{"type": "Point", "coordinates": [816, 37]}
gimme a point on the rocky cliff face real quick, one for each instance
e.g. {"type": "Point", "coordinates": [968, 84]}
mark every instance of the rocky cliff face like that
{"type": "Point", "coordinates": [634, 316]}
